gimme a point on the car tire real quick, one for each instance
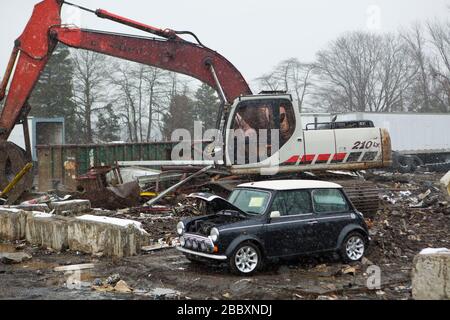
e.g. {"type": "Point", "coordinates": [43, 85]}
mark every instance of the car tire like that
{"type": "Point", "coordinates": [246, 259]}
{"type": "Point", "coordinates": [405, 164]}
{"type": "Point", "coordinates": [353, 247]}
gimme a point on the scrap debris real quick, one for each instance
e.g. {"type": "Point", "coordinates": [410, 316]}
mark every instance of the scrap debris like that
{"type": "Point", "coordinates": [414, 214]}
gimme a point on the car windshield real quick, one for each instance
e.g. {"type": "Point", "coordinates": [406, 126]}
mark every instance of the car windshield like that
{"type": "Point", "coordinates": [250, 201]}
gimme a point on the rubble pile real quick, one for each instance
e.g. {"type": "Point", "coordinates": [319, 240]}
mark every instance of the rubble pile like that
{"type": "Point", "coordinates": [160, 221]}
{"type": "Point", "coordinates": [414, 215]}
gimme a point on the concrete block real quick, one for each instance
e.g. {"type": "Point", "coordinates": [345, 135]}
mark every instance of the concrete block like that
{"type": "Point", "coordinates": [12, 224]}
{"type": "Point", "coordinates": [431, 275]}
{"type": "Point", "coordinates": [47, 230]}
{"type": "Point", "coordinates": [107, 236]}
{"type": "Point", "coordinates": [71, 207]}
{"type": "Point", "coordinates": [14, 257]}
{"type": "Point", "coordinates": [41, 207]}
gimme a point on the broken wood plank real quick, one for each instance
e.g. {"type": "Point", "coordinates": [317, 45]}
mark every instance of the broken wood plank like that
{"type": "Point", "coordinates": [155, 247]}
{"type": "Point", "coordinates": [75, 267]}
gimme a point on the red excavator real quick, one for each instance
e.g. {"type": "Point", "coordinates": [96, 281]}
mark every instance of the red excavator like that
{"type": "Point", "coordinates": [319, 148]}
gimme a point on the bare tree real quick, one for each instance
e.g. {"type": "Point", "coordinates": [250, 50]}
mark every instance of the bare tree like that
{"type": "Point", "coordinates": [364, 72]}
{"type": "Point", "coordinates": [345, 70]}
{"type": "Point", "coordinates": [416, 43]}
{"type": "Point", "coordinates": [142, 94]}
{"type": "Point", "coordinates": [291, 76]}
{"type": "Point", "coordinates": [393, 76]}
{"type": "Point", "coordinates": [89, 87]}
{"type": "Point", "coordinates": [269, 82]}
{"type": "Point", "coordinates": [440, 64]}
{"type": "Point", "coordinates": [123, 81]}
{"type": "Point", "coordinates": [157, 83]}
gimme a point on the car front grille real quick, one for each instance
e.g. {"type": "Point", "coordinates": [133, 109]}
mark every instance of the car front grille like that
{"type": "Point", "coordinates": [197, 243]}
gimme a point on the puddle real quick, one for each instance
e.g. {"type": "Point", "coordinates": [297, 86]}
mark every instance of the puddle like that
{"type": "Point", "coordinates": [88, 276]}
{"type": "Point", "coordinates": [38, 265]}
{"type": "Point", "coordinates": [7, 248]}
{"type": "Point", "coordinates": [78, 280]}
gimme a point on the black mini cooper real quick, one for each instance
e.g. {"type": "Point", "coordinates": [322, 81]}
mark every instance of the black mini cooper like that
{"type": "Point", "coordinates": [274, 219]}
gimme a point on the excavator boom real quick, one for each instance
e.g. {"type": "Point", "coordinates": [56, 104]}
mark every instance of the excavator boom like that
{"type": "Point", "coordinates": [44, 31]}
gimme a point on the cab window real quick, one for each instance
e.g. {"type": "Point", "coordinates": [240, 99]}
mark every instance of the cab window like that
{"type": "Point", "coordinates": [290, 203]}
{"type": "Point", "coordinates": [256, 116]}
{"type": "Point", "coordinates": [329, 201]}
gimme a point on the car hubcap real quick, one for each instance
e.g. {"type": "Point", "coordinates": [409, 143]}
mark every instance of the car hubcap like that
{"type": "Point", "coordinates": [355, 248]}
{"type": "Point", "coordinates": [246, 259]}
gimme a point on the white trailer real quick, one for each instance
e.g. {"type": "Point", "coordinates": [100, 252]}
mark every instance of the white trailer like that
{"type": "Point", "coordinates": [425, 135]}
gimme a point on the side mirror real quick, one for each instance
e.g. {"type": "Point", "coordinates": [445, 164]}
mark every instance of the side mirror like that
{"type": "Point", "coordinates": [275, 214]}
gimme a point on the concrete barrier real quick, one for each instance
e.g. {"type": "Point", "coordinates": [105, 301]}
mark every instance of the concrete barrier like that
{"type": "Point", "coordinates": [88, 234]}
{"type": "Point", "coordinates": [431, 275]}
{"type": "Point", "coordinates": [107, 236]}
{"type": "Point", "coordinates": [12, 224]}
{"type": "Point", "coordinates": [47, 230]}
{"type": "Point", "coordinates": [70, 207]}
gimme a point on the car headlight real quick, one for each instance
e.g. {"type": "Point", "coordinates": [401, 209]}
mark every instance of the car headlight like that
{"type": "Point", "coordinates": [180, 228]}
{"type": "Point", "coordinates": [214, 234]}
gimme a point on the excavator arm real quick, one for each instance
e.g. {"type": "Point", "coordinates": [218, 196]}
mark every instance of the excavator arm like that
{"type": "Point", "coordinates": [37, 43]}
{"type": "Point", "coordinates": [44, 31]}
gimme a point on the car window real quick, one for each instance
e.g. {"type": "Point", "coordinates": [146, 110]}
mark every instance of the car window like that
{"type": "Point", "coordinates": [250, 201]}
{"type": "Point", "coordinates": [329, 201]}
{"type": "Point", "coordinates": [290, 203]}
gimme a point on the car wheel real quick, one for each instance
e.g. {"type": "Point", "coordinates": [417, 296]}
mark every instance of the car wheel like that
{"type": "Point", "coordinates": [353, 247]}
{"type": "Point", "coordinates": [246, 259]}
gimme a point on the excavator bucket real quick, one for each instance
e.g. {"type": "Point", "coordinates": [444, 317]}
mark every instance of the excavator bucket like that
{"type": "Point", "coordinates": [12, 161]}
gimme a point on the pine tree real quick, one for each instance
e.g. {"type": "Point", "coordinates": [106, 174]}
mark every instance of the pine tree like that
{"type": "Point", "coordinates": [207, 105]}
{"type": "Point", "coordinates": [180, 116]}
{"type": "Point", "coordinates": [53, 95]}
{"type": "Point", "coordinates": [108, 125]}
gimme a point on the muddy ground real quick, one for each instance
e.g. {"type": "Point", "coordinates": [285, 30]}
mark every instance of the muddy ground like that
{"type": "Point", "coordinates": [404, 225]}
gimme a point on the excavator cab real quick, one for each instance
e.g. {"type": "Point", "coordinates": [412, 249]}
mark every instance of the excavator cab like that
{"type": "Point", "coordinates": [258, 128]}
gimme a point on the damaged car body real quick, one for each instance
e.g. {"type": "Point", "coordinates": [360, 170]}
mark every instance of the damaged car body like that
{"type": "Point", "coordinates": [274, 219]}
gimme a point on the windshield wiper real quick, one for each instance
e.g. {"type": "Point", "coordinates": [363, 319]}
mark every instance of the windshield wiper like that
{"type": "Point", "coordinates": [254, 213]}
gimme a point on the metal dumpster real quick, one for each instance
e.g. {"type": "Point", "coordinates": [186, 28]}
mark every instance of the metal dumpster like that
{"type": "Point", "coordinates": [63, 163]}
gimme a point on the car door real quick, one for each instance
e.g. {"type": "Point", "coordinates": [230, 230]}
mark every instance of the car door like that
{"type": "Point", "coordinates": [333, 213]}
{"type": "Point", "coordinates": [292, 232]}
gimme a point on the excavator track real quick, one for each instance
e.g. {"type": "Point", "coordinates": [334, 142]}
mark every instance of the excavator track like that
{"type": "Point", "coordinates": [12, 160]}
{"type": "Point", "coordinates": [363, 194]}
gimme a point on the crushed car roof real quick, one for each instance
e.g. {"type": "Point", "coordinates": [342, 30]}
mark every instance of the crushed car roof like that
{"type": "Point", "coordinates": [291, 185]}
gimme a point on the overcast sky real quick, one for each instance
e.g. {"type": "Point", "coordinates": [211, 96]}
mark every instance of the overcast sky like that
{"type": "Point", "coordinates": [253, 34]}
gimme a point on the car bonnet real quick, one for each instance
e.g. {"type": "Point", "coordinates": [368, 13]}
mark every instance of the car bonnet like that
{"type": "Point", "coordinates": [218, 203]}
